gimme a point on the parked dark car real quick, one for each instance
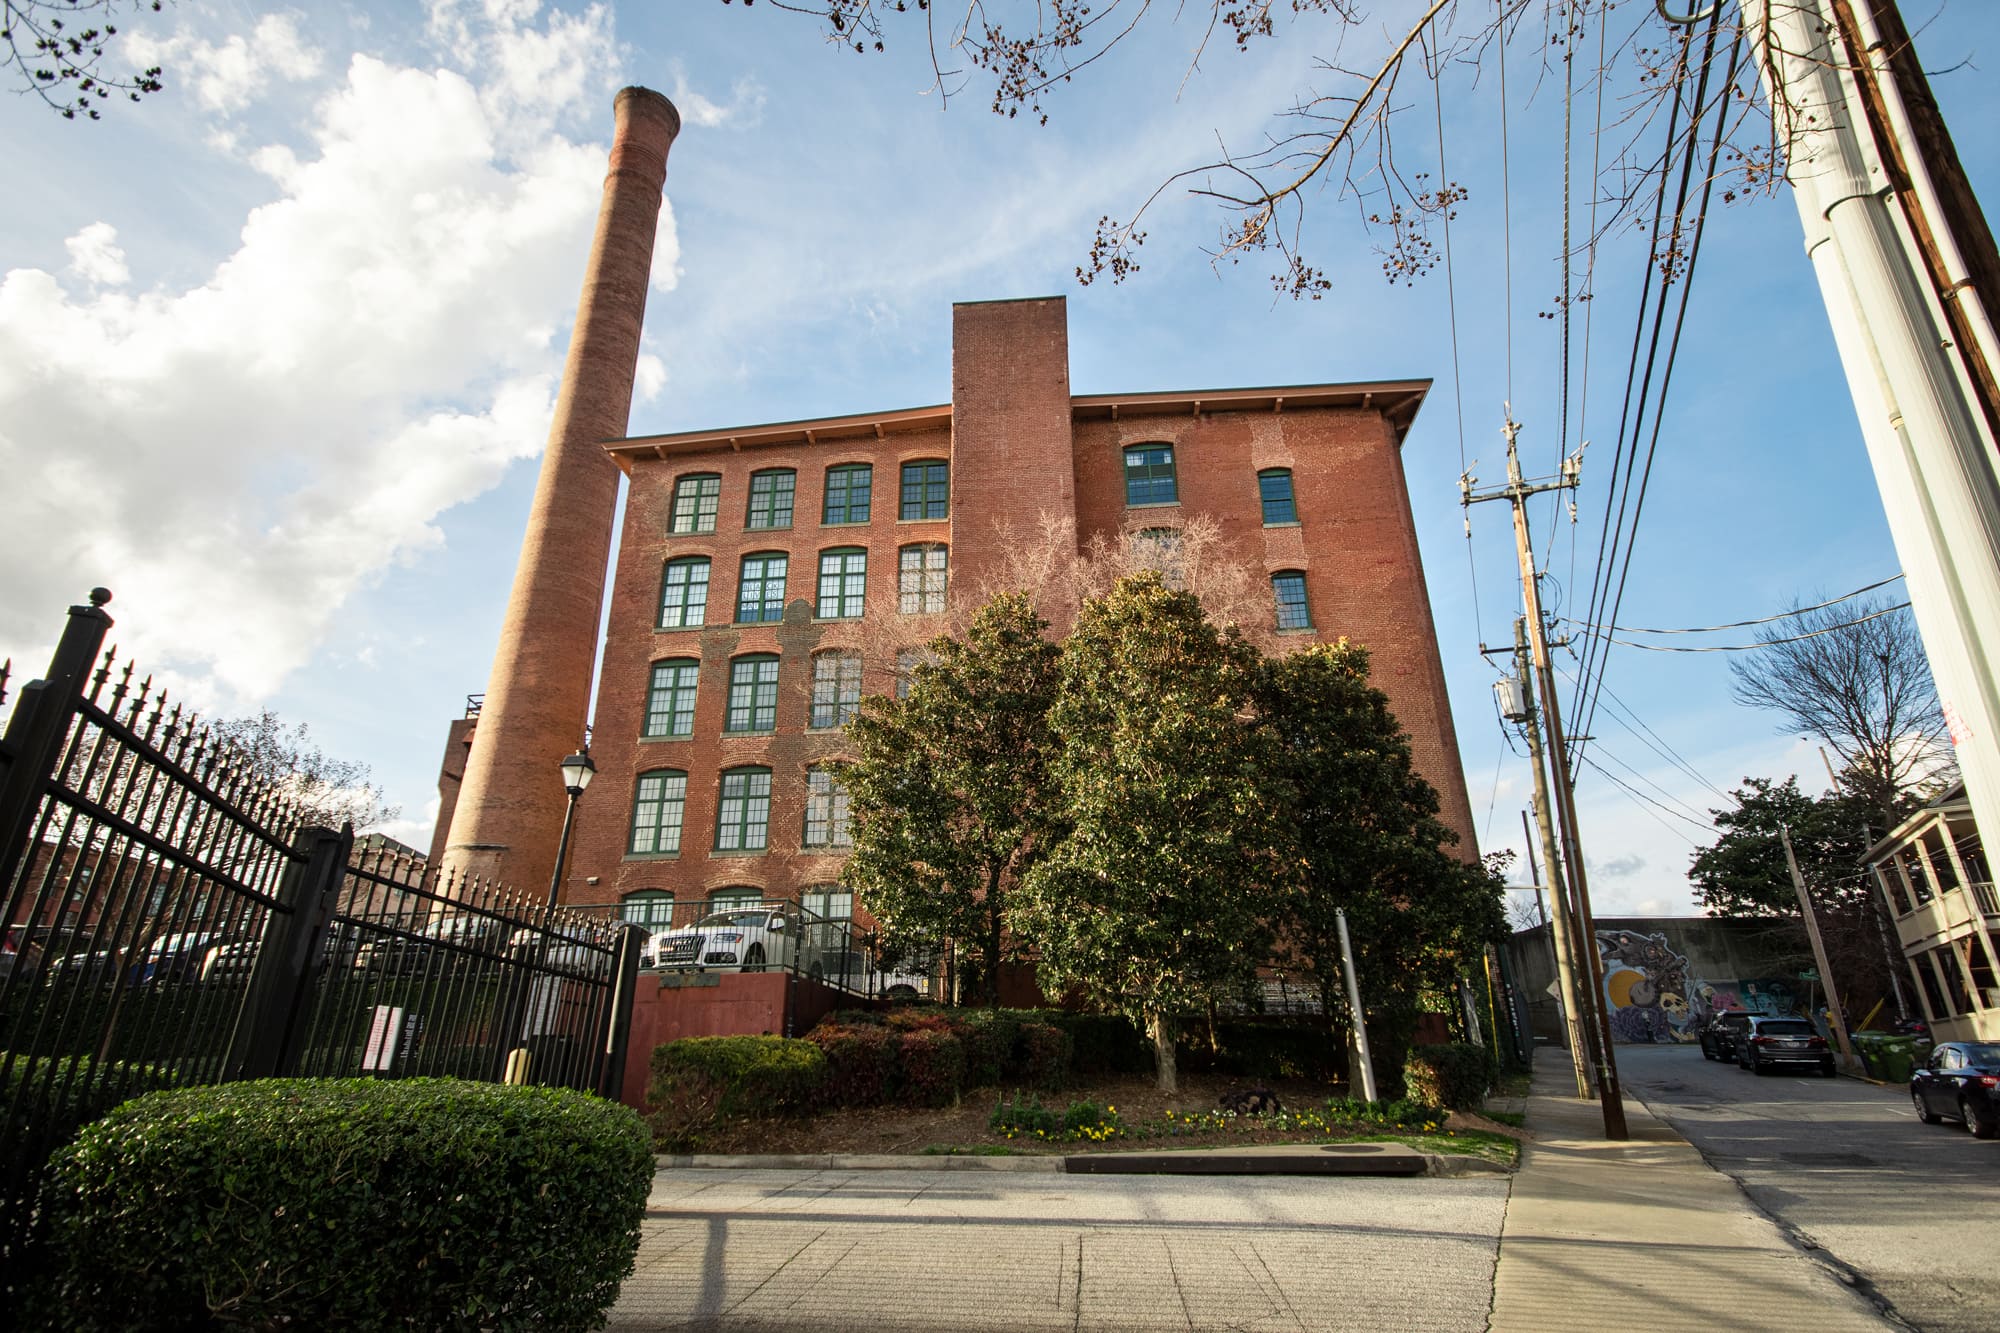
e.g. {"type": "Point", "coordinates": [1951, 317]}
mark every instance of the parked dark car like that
{"type": "Point", "coordinates": [177, 957]}
{"type": "Point", "coordinates": [445, 943]}
{"type": "Point", "coordinates": [1721, 1033]}
{"type": "Point", "coordinates": [1961, 1081]}
{"type": "Point", "coordinates": [1783, 1041]}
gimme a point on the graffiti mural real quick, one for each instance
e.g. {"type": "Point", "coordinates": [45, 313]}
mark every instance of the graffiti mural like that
{"type": "Point", "coordinates": [1650, 995]}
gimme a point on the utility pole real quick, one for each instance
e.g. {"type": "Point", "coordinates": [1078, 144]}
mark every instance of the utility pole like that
{"type": "Point", "coordinates": [1528, 836]}
{"type": "Point", "coordinates": [1516, 492]}
{"type": "Point", "coordinates": [1562, 933]}
{"type": "Point", "coordinates": [1911, 280]}
{"type": "Point", "coordinates": [1834, 1016]}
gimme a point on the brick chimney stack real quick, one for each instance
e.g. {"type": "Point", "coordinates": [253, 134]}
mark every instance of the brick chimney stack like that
{"type": "Point", "coordinates": [510, 808]}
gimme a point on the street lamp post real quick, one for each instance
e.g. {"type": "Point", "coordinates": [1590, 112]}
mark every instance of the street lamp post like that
{"type": "Point", "coordinates": [577, 770]}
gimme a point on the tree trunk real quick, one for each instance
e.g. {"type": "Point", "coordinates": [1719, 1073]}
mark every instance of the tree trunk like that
{"type": "Point", "coordinates": [1161, 1025]}
{"type": "Point", "coordinates": [993, 939]}
{"type": "Point", "coordinates": [1214, 1042]}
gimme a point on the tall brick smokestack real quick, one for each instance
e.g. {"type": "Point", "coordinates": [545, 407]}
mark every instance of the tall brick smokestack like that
{"type": "Point", "coordinates": [510, 808]}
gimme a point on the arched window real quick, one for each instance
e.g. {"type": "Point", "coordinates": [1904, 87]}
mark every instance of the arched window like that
{"type": "Point", "coordinates": [771, 494]}
{"type": "Point", "coordinates": [926, 490]}
{"type": "Point", "coordinates": [836, 689]}
{"type": "Point", "coordinates": [743, 816]}
{"type": "Point", "coordinates": [843, 584]}
{"type": "Point", "coordinates": [1274, 492]}
{"type": "Point", "coordinates": [737, 895]}
{"type": "Point", "coordinates": [1288, 591]}
{"type": "Point", "coordinates": [760, 591]}
{"type": "Point", "coordinates": [1149, 475]}
{"type": "Point", "coordinates": [753, 694]}
{"type": "Point", "coordinates": [684, 593]}
{"type": "Point", "coordinates": [920, 572]}
{"type": "Point", "coordinates": [658, 801]}
{"type": "Point", "coordinates": [695, 499]}
{"type": "Point", "coordinates": [848, 488]}
{"type": "Point", "coordinates": [826, 811]}
{"type": "Point", "coordinates": [670, 699]}
{"type": "Point", "coordinates": [651, 908]}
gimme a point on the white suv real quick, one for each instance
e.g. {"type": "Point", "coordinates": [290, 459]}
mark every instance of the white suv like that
{"type": "Point", "coordinates": [736, 939]}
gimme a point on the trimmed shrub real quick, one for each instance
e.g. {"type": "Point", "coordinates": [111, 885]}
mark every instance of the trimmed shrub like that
{"type": "Point", "coordinates": [1045, 1056]}
{"type": "Point", "coordinates": [1454, 1075]}
{"type": "Point", "coordinates": [1102, 1043]}
{"type": "Point", "coordinates": [349, 1203]}
{"type": "Point", "coordinates": [932, 1065]}
{"type": "Point", "coordinates": [992, 1040]}
{"type": "Point", "coordinates": [58, 1096]}
{"type": "Point", "coordinates": [697, 1082]}
{"type": "Point", "coordinates": [1270, 1050]}
{"type": "Point", "coordinates": [919, 1020]}
{"type": "Point", "coordinates": [1024, 1119]}
{"type": "Point", "coordinates": [860, 1062]}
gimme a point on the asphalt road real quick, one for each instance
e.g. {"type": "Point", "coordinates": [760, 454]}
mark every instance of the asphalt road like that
{"type": "Point", "coordinates": [1909, 1207]}
{"type": "Point", "coordinates": [888, 1250]}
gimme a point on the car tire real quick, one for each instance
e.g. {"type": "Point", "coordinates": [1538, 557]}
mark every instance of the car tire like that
{"type": "Point", "coordinates": [1924, 1112]}
{"type": "Point", "coordinates": [1827, 1070]}
{"type": "Point", "coordinates": [1979, 1128]}
{"type": "Point", "coordinates": [753, 958]}
{"type": "Point", "coordinates": [818, 972]}
{"type": "Point", "coordinates": [1707, 1054]}
{"type": "Point", "coordinates": [1756, 1066]}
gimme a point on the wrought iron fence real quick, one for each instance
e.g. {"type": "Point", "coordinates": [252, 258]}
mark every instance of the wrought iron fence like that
{"type": "Point", "coordinates": [752, 934]}
{"type": "Point", "coordinates": [169, 920]}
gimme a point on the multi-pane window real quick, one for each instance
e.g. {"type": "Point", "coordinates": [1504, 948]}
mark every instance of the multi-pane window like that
{"type": "Point", "coordinates": [651, 908]}
{"type": "Point", "coordinates": [826, 810]}
{"type": "Point", "coordinates": [743, 819]}
{"type": "Point", "coordinates": [848, 488]}
{"type": "Point", "coordinates": [695, 500]}
{"type": "Point", "coordinates": [1274, 491]}
{"type": "Point", "coordinates": [670, 699]}
{"type": "Point", "coordinates": [1149, 475]}
{"type": "Point", "coordinates": [907, 662]}
{"type": "Point", "coordinates": [843, 581]}
{"type": "Point", "coordinates": [771, 498]}
{"type": "Point", "coordinates": [753, 694]}
{"type": "Point", "coordinates": [1289, 591]}
{"type": "Point", "coordinates": [920, 579]}
{"type": "Point", "coordinates": [657, 805]}
{"type": "Point", "coordinates": [828, 902]}
{"type": "Point", "coordinates": [760, 593]}
{"type": "Point", "coordinates": [836, 693]}
{"type": "Point", "coordinates": [723, 900]}
{"type": "Point", "coordinates": [926, 490]}
{"type": "Point", "coordinates": [684, 593]}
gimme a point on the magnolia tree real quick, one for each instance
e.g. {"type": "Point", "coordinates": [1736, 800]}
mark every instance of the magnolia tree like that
{"type": "Point", "coordinates": [1363, 834]}
{"type": "Point", "coordinates": [1159, 896]}
{"type": "Point", "coordinates": [949, 792]}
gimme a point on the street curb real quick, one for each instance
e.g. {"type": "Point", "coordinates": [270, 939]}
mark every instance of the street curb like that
{"type": "Point", "coordinates": [1184, 1162]}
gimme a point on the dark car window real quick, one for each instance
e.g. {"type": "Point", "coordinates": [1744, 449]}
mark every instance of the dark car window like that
{"type": "Point", "coordinates": [1983, 1053]}
{"type": "Point", "coordinates": [1786, 1027]}
{"type": "Point", "coordinates": [1953, 1058]}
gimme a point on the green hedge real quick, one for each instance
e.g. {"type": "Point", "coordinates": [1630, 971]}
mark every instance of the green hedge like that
{"type": "Point", "coordinates": [699, 1082]}
{"type": "Point", "coordinates": [860, 1061]}
{"type": "Point", "coordinates": [932, 1065]}
{"type": "Point", "coordinates": [1454, 1075]}
{"type": "Point", "coordinates": [1101, 1043]}
{"type": "Point", "coordinates": [1273, 1050]}
{"type": "Point", "coordinates": [348, 1203]}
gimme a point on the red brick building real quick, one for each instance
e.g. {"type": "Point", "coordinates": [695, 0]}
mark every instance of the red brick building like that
{"type": "Point", "coordinates": [768, 575]}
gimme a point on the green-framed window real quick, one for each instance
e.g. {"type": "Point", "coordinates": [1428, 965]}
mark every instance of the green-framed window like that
{"type": "Point", "coordinates": [743, 817]}
{"type": "Point", "coordinates": [684, 593]}
{"type": "Point", "coordinates": [725, 900]}
{"type": "Point", "coordinates": [836, 688]}
{"type": "Point", "coordinates": [826, 810]}
{"type": "Point", "coordinates": [926, 490]}
{"type": "Point", "coordinates": [658, 802]}
{"type": "Point", "coordinates": [920, 575]}
{"type": "Point", "coordinates": [753, 694]}
{"type": "Point", "coordinates": [695, 499]}
{"type": "Point", "coordinates": [771, 495]}
{"type": "Point", "coordinates": [828, 902]}
{"type": "Point", "coordinates": [848, 491]}
{"type": "Point", "coordinates": [760, 591]}
{"type": "Point", "coordinates": [843, 584]}
{"type": "Point", "coordinates": [1288, 591]}
{"type": "Point", "coordinates": [1149, 475]}
{"type": "Point", "coordinates": [670, 699]}
{"type": "Point", "coordinates": [907, 662]}
{"type": "Point", "coordinates": [651, 908]}
{"type": "Point", "coordinates": [1274, 492]}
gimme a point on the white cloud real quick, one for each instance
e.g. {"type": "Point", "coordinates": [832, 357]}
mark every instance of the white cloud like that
{"type": "Point", "coordinates": [95, 257]}
{"type": "Point", "coordinates": [229, 75]}
{"type": "Point", "coordinates": [236, 458]}
{"type": "Point", "coordinates": [744, 110]}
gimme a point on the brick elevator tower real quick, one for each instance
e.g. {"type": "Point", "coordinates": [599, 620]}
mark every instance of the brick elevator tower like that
{"type": "Point", "coordinates": [509, 813]}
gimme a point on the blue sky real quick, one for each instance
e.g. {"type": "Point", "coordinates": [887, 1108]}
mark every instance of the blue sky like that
{"type": "Point", "coordinates": [278, 348]}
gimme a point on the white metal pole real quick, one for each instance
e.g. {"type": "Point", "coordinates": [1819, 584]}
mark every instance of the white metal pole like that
{"type": "Point", "coordinates": [1933, 459]}
{"type": "Point", "coordinates": [1354, 1008]}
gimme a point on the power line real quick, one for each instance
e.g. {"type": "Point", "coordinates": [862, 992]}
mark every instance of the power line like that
{"type": "Point", "coordinates": [1764, 643]}
{"type": "Point", "coordinates": [1657, 744]}
{"type": "Point", "coordinates": [1690, 812]}
{"type": "Point", "coordinates": [1451, 303]}
{"type": "Point", "coordinates": [1738, 624]}
{"type": "Point", "coordinates": [1646, 804]}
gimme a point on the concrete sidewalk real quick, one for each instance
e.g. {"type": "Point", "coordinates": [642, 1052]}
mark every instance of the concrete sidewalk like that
{"type": "Point", "coordinates": [1645, 1234]}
